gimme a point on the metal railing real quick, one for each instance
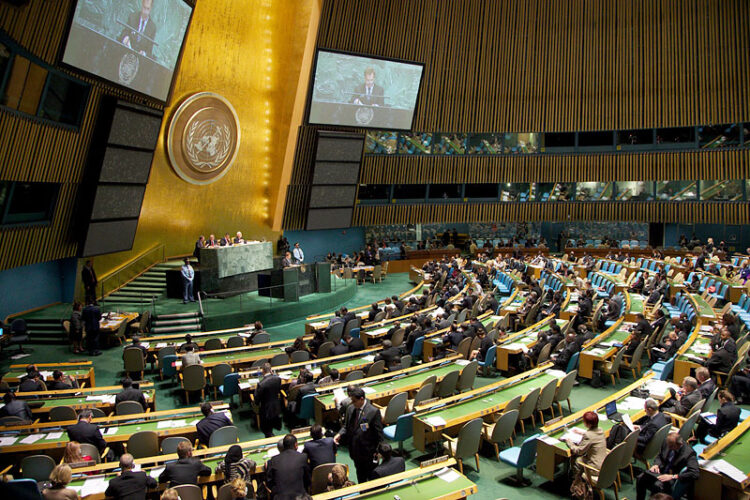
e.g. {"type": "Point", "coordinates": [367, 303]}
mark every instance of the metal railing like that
{"type": "Point", "coordinates": [131, 270]}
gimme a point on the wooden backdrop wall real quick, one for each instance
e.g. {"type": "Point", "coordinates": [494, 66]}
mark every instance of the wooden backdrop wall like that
{"type": "Point", "coordinates": [546, 66]}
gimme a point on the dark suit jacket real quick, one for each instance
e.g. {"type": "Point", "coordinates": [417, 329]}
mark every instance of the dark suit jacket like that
{"type": "Point", "coordinates": [288, 475]}
{"type": "Point", "coordinates": [320, 451]}
{"type": "Point", "coordinates": [138, 41]}
{"type": "Point", "coordinates": [184, 471]}
{"type": "Point", "coordinates": [727, 418]}
{"type": "Point", "coordinates": [209, 424]}
{"type": "Point", "coordinates": [131, 394]}
{"type": "Point", "coordinates": [130, 486]}
{"type": "Point", "coordinates": [685, 463]}
{"type": "Point", "coordinates": [91, 315]}
{"type": "Point", "coordinates": [16, 408]}
{"type": "Point", "coordinates": [688, 401]}
{"type": "Point", "coordinates": [390, 356]}
{"type": "Point", "coordinates": [339, 349]}
{"type": "Point", "coordinates": [88, 276]}
{"type": "Point", "coordinates": [707, 387]}
{"type": "Point", "coordinates": [362, 442]}
{"type": "Point", "coordinates": [649, 426]}
{"type": "Point", "coordinates": [375, 97]}
{"type": "Point", "coordinates": [267, 396]}
{"type": "Point", "coordinates": [356, 344]}
{"type": "Point", "coordinates": [392, 466]}
{"type": "Point", "coordinates": [722, 359]}
{"type": "Point", "coordinates": [84, 432]}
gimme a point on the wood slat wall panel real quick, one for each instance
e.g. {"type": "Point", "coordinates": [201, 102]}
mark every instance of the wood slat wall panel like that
{"type": "Point", "coordinates": [538, 65]}
{"type": "Point", "coordinates": [35, 151]}
{"type": "Point", "coordinates": [693, 212]}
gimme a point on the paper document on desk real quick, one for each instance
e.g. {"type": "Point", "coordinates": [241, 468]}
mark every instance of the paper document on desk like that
{"type": "Point", "coordinates": [155, 472]}
{"type": "Point", "coordinates": [709, 417]}
{"type": "Point", "coordinates": [31, 438]}
{"type": "Point", "coordinates": [573, 437]}
{"type": "Point", "coordinates": [7, 441]}
{"type": "Point", "coordinates": [368, 390]}
{"type": "Point", "coordinates": [110, 431]}
{"type": "Point", "coordinates": [631, 403]}
{"type": "Point", "coordinates": [550, 440]}
{"type": "Point", "coordinates": [556, 373]}
{"type": "Point", "coordinates": [54, 435]}
{"type": "Point", "coordinates": [161, 344]}
{"type": "Point", "coordinates": [369, 358]}
{"type": "Point", "coordinates": [462, 362]}
{"type": "Point", "coordinates": [447, 474]}
{"type": "Point", "coordinates": [724, 467]}
{"type": "Point", "coordinates": [45, 374]}
{"type": "Point", "coordinates": [338, 396]}
{"type": "Point", "coordinates": [436, 421]}
{"type": "Point", "coordinates": [179, 423]}
{"type": "Point", "coordinates": [94, 485]}
{"type": "Point", "coordinates": [164, 424]}
{"type": "Point", "coordinates": [628, 422]}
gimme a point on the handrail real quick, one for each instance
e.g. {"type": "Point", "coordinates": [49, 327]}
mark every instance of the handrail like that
{"type": "Point", "coordinates": [130, 270]}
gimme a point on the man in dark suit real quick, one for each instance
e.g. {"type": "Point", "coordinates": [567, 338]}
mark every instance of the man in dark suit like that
{"type": "Point", "coordinates": [141, 30]}
{"type": "Point", "coordinates": [727, 418]}
{"type": "Point", "coordinates": [572, 346]}
{"type": "Point", "coordinates": [362, 432]}
{"type": "Point", "coordinates": [320, 450]}
{"type": "Point", "coordinates": [341, 348]}
{"type": "Point", "coordinates": [61, 382]}
{"type": "Point", "coordinates": [355, 343]}
{"type": "Point", "coordinates": [651, 422]}
{"type": "Point", "coordinates": [91, 315]}
{"type": "Point", "coordinates": [86, 432]}
{"type": "Point", "coordinates": [31, 382]}
{"type": "Point", "coordinates": [210, 423]}
{"type": "Point", "coordinates": [286, 261]}
{"type": "Point", "coordinates": [397, 302]}
{"type": "Point", "coordinates": [346, 315]}
{"type": "Point", "coordinates": [368, 93]}
{"type": "Point", "coordinates": [391, 355]}
{"type": "Point", "coordinates": [130, 393]}
{"type": "Point", "coordinates": [88, 277]}
{"type": "Point", "coordinates": [706, 385]}
{"type": "Point", "coordinates": [186, 469]}
{"type": "Point", "coordinates": [674, 472]}
{"type": "Point", "coordinates": [453, 337]}
{"type": "Point", "coordinates": [129, 485]}
{"type": "Point", "coordinates": [267, 397]}
{"type": "Point", "coordinates": [15, 407]}
{"type": "Point", "coordinates": [288, 474]}
{"type": "Point", "coordinates": [374, 310]}
{"type": "Point", "coordinates": [683, 401]}
{"type": "Point", "coordinates": [389, 464]}
{"type": "Point", "coordinates": [723, 353]}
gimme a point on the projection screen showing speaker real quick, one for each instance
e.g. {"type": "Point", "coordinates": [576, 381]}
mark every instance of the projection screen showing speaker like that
{"type": "Point", "coordinates": [364, 91]}
{"type": "Point", "coordinates": [132, 43]}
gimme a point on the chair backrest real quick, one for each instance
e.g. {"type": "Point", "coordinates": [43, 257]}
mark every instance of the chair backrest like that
{"type": "Point", "coordinates": [62, 413]}
{"type": "Point", "coordinates": [280, 359]}
{"type": "Point", "coordinates": [193, 378]}
{"type": "Point", "coordinates": [462, 316]}
{"type": "Point", "coordinates": [169, 444]}
{"type": "Point", "coordinates": [22, 488]}
{"type": "Point", "coordinates": [544, 354]}
{"type": "Point", "coordinates": [416, 351]}
{"type": "Point", "coordinates": [306, 408]}
{"type": "Point", "coordinates": [225, 492]}
{"type": "Point", "coordinates": [379, 316]}
{"type": "Point", "coordinates": [405, 361]}
{"type": "Point", "coordinates": [475, 343]}
{"type": "Point", "coordinates": [547, 395]}
{"type": "Point", "coordinates": [300, 356]}
{"type": "Point", "coordinates": [218, 372]}
{"type": "Point", "coordinates": [432, 379]}
{"type": "Point", "coordinates": [630, 441]}
{"type": "Point", "coordinates": [566, 386]}
{"type": "Point", "coordinates": [352, 323]}
{"type": "Point", "coordinates": [396, 407]}
{"type": "Point", "coordinates": [143, 444]}
{"type": "Point", "coordinates": [128, 408]}
{"type": "Point", "coordinates": [573, 363]}
{"type": "Point", "coordinates": [261, 338]}
{"type": "Point", "coordinates": [469, 438]}
{"type": "Point", "coordinates": [687, 426]}
{"type": "Point", "coordinates": [617, 361]}
{"type": "Point", "coordinates": [528, 405]}
{"type": "Point", "coordinates": [223, 436]}
{"type": "Point", "coordinates": [463, 347]}
{"type": "Point", "coordinates": [335, 332]}
{"type": "Point", "coordinates": [423, 394]}
{"type": "Point", "coordinates": [610, 466]}
{"type": "Point", "coordinates": [513, 404]}
{"type": "Point", "coordinates": [133, 359]}
{"type": "Point", "coordinates": [165, 351]}
{"type": "Point", "coordinates": [319, 480]}
{"type": "Point", "coordinates": [697, 407]}
{"type": "Point", "coordinates": [98, 413]}
{"type": "Point", "coordinates": [467, 377]}
{"type": "Point", "coordinates": [325, 349]}
{"type": "Point", "coordinates": [447, 386]}
{"type": "Point", "coordinates": [189, 492]}
{"type": "Point", "coordinates": [376, 368]}
{"type": "Point", "coordinates": [653, 447]}
{"type": "Point", "coordinates": [235, 341]}
{"type": "Point", "coordinates": [710, 399]}
{"type": "Point", "coordinates": [398, 337]}
{"type": "Point", "coordinates": [527, 453]}
{"type": "Point", "coordinates": [91, 451]}
{"type": "Point", "coordinates": [213, 344]}
{"type": "Point", "coordinates": [504, 426]}
{"type": "Point", "coordinates": [37, 467]}
{"type": "Point", "coordinates": [354, 333]}
{"type": "Point", "coordinates": [404, 427]}
{"type": "Point", "coordinates": [355, 375]}
{"type": "Point", "coordinates": [143, 326]}
{"type": "Point", "coordinates": [167, 364]}
{"type": "Point", "coordinates": [231, 385]}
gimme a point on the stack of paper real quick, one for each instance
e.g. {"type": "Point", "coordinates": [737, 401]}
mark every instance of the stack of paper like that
{"type": "Point", "coordinates": [462, 362]}
{"type": "Point", "coordinates": [369, 358]}
{"type": "Point", "coordinates": [110, 431]}
{"type": "Point", "coordinates": [338, 396]}
{"type": "Point", "coordinates": [7, 441]}
{"type": "Point", "coordinates": [155, 472]}
{"type": "Point", "coordinates": [54, 435]}
{"type": "Point", "coordinates": [436, 421]}
{"type": "Point", "coordinates": [572, 436]}
{"type": "Point", "coordinates": [556, 373]}
{"type": "Point", "coordinates": [94, 485]}
{"type": "Point", "coordinates": [31, 438]}
{"type": "Point", "coordinates": [447, 474]}
{"type": "Point", "coordinates": [724, 467]}
{"type": "Point", "coordinates": [161, 344]}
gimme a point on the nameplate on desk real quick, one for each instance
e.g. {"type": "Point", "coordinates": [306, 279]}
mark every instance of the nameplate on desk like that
{"type": "Point", "coordinates": [433, 461]}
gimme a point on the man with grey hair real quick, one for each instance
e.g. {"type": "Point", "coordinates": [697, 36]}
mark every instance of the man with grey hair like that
{"type": "Point", "coordinates": [685, 399]}
{"type": "Point", "coordinates": [675, 470]}
{"type": "Point", "coordinates": [651, 422]}
{"type": "Point", "coordinates": [129, 485]}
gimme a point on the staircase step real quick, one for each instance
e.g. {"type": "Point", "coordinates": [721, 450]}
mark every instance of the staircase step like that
{"type": "Point", "coordinates": [173, 329]}
{"type": "Point", "coordinates": [172, 322]}
{"type": "Point", "coordinates": [176, 315]}
{"type": "Point", "coordinates": [126, 292]}
{"type": "Point", "coordinates": [142, 288]}
{"type": "Point", "coordinates": [150, 280]}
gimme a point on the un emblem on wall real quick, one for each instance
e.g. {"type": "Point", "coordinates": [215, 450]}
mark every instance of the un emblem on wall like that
{"type": "Point", "coordinates": [128, 68]}
{"type": "Point", "coordinates": [364, 115]}
{"type": "Point", "coordinates": [203, 138]}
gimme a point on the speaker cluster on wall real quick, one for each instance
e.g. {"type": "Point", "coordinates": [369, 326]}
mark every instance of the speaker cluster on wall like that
{"type": "Point", "coordinates": [338, 156]}
{"type": "Point", "coordinates": [117, 171]}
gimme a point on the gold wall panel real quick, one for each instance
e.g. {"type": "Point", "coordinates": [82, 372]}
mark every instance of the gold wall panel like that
{"type": "Point", "coordinates": [249, 52]}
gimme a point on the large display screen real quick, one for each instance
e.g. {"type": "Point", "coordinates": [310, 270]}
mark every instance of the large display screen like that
{"type": "Point", "coordinates": [132, 43]}
{"type": "Point", "coordinates": [361, 91]}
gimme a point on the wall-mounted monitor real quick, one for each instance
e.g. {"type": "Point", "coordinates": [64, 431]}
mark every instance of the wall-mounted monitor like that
{"type": "Point", "coordinates": [135, 44]}
{"type": "Point", "coordinates": [354, 90]}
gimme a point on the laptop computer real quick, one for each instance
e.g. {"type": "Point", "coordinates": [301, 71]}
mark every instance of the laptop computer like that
{"type": "Point", "coordinates": [612, 413]}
